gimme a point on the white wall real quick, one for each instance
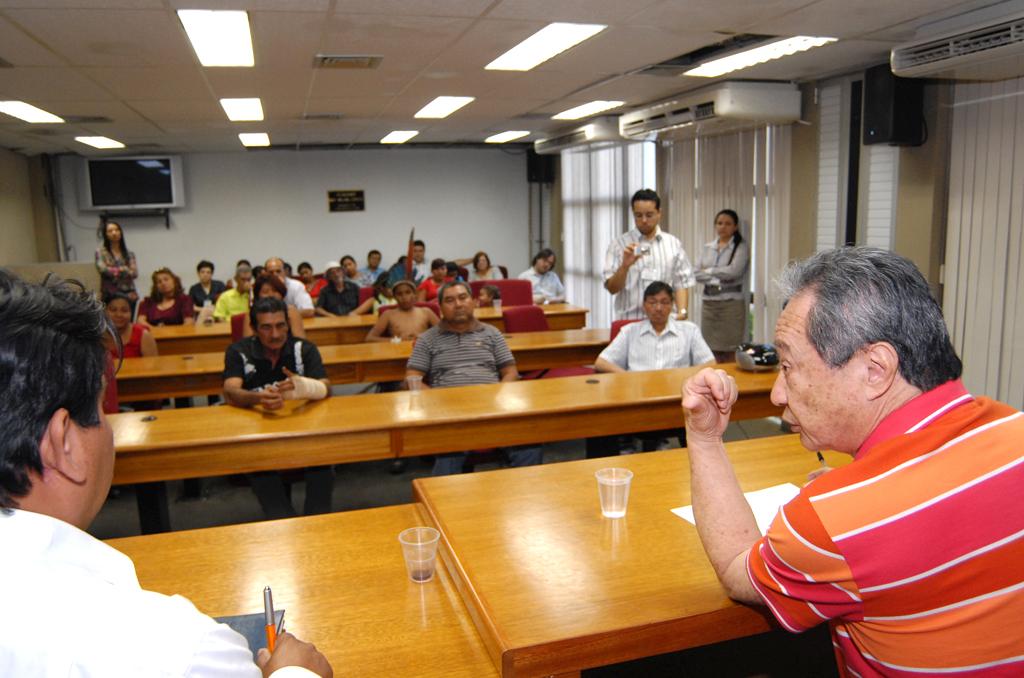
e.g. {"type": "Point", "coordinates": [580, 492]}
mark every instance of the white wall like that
{"type": "Point", "coordinates": [17, 232]}
{"type": "Point", "coordinates": [259, 204]}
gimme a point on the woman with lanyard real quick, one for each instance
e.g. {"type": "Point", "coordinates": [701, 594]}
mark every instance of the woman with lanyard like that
{"type": "Point", "coordinates": [723, 268]}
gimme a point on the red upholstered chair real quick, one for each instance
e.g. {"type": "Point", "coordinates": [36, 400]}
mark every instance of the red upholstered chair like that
{"type": "Point", "coordinates": [365, 293]}
{"type": "Point", "coordinates": [617, 325]}
{"type": "Point", "coordinates": [464, 272]}
{"type": "Point", "coordinates": [504, 271]}
{"type": "Point", "coordinates": [237, 326]}
{"type": "Point", "coordinates": [513, 292]}
{"type": "Point", "coordinates": [524, 319]}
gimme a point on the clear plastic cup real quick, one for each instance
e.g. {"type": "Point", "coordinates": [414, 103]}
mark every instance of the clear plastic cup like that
{"type": "Point", "coordinates": [419, 547]}
{"type": "Point", "coordinates": [414, 384]}
{"type": "Point", "coordinates": [613, 491]}
{"type": "Point", "coordinates": [497, 305]}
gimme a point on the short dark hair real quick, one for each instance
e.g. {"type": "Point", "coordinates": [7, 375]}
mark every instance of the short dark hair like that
{"type": "Point", "coordinates": [257, 271]}
{"type": "Point", "coordinates": [372, 252]}
{"type": "Point", "coordinates": [543, 254]}
{"type": "Point", "coordinates": [287, 267]}
{"type": "Point", "coordinates": [348, 257]}
{"type": "Point", "coordinates": [646, 194]}
{"type": "Point", "coordinates": [419, 243]}
{"type": "Point", "coordinates": [305, 264]}
{"type": "Point", "coordinates": [52, 356]}
{"type": "Point", "coordinates": [492, 290]}
{"type": "Point", "coordinates": [205, 264]}
{"type": "Point", "coordinates": [243, 261]}
{"type": "Point", "coordinates": [453, 283]}
{"type": "Point", "coordinates": [438, 263]}
{"type": "Point", "coordinates": [267, 305]}
{"type": "Point", "coordinates": [656, 288]}
{"type": "Point", "coordinates": [269, 279]}
{"type": "Point", "coordinates": [864, 295]}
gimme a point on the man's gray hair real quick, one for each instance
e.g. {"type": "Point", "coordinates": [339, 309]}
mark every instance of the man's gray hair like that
{"type": "Point", "coordinates": [453, 283]}
{"type": "Point", "coordinates": [242, 268]}
{"type": "Point", "coordinates": [864, 295]}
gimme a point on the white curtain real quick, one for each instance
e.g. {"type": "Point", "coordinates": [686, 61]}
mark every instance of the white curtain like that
{"type": "Point", "coordinates": [746, 171]}
{"type": "Point", "coordinates": [983, 299]}
{"type": "Point", "coordinates": [597, 182]}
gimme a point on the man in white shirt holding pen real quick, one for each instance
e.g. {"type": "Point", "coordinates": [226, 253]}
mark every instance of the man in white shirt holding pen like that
{"type": "Point", "coordinates": [73, 605]}
{"type": "Point", "coordinates": [643, 255]}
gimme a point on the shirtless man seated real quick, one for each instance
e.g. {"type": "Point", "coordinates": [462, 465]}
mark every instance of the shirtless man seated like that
{"type": "Point", "coordinates": [408, 321]}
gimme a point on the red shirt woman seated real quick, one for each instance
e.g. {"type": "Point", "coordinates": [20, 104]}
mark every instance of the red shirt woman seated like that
{"type": "Point", "coordinates": [167, 303]}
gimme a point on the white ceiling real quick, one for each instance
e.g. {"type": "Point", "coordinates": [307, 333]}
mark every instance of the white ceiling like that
{"type": "Point", "coordinates": [129, 61]}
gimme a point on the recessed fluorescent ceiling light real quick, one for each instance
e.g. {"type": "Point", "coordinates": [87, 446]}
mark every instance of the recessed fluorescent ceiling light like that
{"type": "Point", "coordinates": [149, 164]}
{"type": "Point", "coordinates": [587, 109]}
{"type": "Point", "coordinates": [239, 110]}
{"type": "Point", "coordinates": [254, 139]}
{"type": "Point", "coordinates": [503, 137]}
{"type": "Point", "coordinates": [398, 136]}
{"type": "Point", "coordinates": [442, 107]}
{"type": "Point", "coordinates": [220, 38]}
{"type": "Point", "coordinates": [27, 112]}
{"type": "Point", "coordinates": [549, 41]}
{"type": "Point", "coordinates": [757, 55]}
{"type": "Point", "coordinates": [99, 142]}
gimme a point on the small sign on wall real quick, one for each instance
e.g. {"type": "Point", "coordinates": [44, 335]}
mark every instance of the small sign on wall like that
{"type": "Point", "coordinates": [345, 201]}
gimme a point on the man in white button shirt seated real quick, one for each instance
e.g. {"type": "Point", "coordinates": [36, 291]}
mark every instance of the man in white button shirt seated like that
{"type": "Point", "coordinates": [658, 343]}
{"type": "Point", "coordinates": [297, 295]}
{"type": "Point", "coordinates": [72, 606]}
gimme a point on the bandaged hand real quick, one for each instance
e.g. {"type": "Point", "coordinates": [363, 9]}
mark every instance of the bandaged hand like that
{"type": "Point", "coordinates": [304, 388]}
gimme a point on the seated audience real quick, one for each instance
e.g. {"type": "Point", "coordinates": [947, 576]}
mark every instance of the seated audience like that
{"type": "Point", "coordinates": [297, 295]}
{"type": "Point", "coordinates": [487, 296]}
{"type": "Point", "coordinates": [915, 545]}
{"type": "Point", "coordinates": [420, 266]}
{"type": "Point", "coordinates": [136, 339]}
{"type": "Point", "coordinates": [257, 271]}
{"type": "Point", "coordinates": [270, 286]}
{"type": "Point", "coordinates": [238, 263]}
{"type": "Point", "coordinates": [265, 370]}
{"type": "Point", "coordinates": [547, 288]}
{"type": "Point", "coordinates": [311, 282]}
{"type": "Point", "coordinates": [452, 272]}
{"type": "Point", "coordinates": [351, 269]}
{"type": "Point", "coordinates": [407, 321]}
{"type": "Point", "coordinates": [382, 296]}
{"type": "Point", "coordinates": [207, 289]}
{"type": "Point", "coordinates": [461, 351]}
{"type": "Point", "coordinates": [482, 269]}
{"type": "Point", "coordinates": [369, 274]}
{"type": "Point", "coordinates": [658, 343]}
{"type": "Point", "coordinates": [235, 300]}
{"type": "Point", "coordinates": [288, 270]}
{"type": "Point", "coordinates": [340, 296]}
{"type": "Point", "coordinates": [72, 605]}
{"type": "Point", "coordinates": [167, 303]}
{"type": "Point", "coordinates": [427, 290]}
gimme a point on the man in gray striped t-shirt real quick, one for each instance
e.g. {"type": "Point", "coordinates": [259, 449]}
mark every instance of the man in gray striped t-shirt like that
{"type": "Point", "coordinates": [462, 351]}
{"type": "Point", "coordinates": [643, 255]}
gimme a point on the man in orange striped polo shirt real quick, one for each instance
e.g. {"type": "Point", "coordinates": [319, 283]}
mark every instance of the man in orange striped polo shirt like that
{"type": "Point", "coordinates": [914, 552]}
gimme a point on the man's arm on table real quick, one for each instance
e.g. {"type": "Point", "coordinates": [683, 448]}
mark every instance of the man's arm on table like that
{"type": "Point", "coordinates": [234, 394]}
{"type": "Point", "coordinates": [508, 372]}
{"type": "Point", "coordinates": [724, 520]}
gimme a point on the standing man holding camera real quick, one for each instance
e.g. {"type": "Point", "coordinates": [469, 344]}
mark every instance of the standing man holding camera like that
{"type": "Point", "coordinates": [643, 255]}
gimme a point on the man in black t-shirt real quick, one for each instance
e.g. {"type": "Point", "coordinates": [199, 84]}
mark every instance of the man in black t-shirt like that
{"type": "Point", "coordinates": [266, 369]}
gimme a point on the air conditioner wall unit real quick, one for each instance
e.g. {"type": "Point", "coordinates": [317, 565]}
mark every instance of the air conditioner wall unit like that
{"type": "Point", "coordinates": [992, 49]}
{"type": "Point", "coordinates": [599, 130]}
{"type": "Point", "coordinates": [715, 109]}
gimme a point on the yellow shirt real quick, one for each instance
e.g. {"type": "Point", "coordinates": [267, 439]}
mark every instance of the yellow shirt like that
{"type": "Point", "coordinates": [231, 303]}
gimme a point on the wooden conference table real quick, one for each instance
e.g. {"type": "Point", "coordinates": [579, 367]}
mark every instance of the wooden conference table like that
{"type": "Point", "coordinates": [341, 581]}
{"type": "Point", "coordinates": [202, 374]}
{"type": "Point", "coordinates": [186, 339]}
{"type": "Point", "coordinates": [207, 441]}
{"type": "Point", "coordinates": [530, 573]}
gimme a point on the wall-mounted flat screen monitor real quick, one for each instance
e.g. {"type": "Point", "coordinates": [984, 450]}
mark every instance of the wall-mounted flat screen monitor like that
{"type": "Point", "coordinates": [143, 182]}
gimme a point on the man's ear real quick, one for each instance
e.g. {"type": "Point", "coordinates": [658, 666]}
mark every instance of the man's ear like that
{"type": "Point", "coordinates": [882, 366]}
{"type": "Point", "coordinates": [60, 450]}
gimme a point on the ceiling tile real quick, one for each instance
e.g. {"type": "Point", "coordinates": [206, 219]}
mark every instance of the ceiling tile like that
{"type": "Point", "coordinates": [715, 15]}
{"type": "Point", "coordinates": [178, 110]}
{"type": "Point", "coordinates": [577, 11]}
{"type": "Point", "coordinates": [436, 8]}
{"type": "Point", "coordinates": [349, 107]}
{"type": "Point", "coordinates": [19, 49]}
{"type": "Point", "coordinates": [99, 37]}
{"type": "Point", "coordinates": [157, 84]}
{"type": "Point", "coordinates": [329, 83]}
{"type": "Point", "coordinates": [285, 39]}
{"type": "Point", "coordinates": [845, 19]}
{"type": "Point", "coordinates": [265, 83]}
{"type": "Point", "coordinates": [42, 84]}
{"type": "Point", "coordinates": [260, 5]}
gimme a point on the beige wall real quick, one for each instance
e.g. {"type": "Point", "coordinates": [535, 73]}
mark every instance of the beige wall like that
{"type": "Point", "coordinates": [803, 193]}
{"type": "Point", "coordinates": [922, 193]}
{"type": "Point", "coordinates": [17, 232]}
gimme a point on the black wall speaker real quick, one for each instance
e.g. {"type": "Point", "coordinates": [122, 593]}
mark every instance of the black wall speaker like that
{"type": "Point", "coordinates": [893, 108]}
{"type": "Point", "coordinates": [540, 169]}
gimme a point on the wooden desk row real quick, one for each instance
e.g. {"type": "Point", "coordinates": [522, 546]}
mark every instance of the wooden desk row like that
{"type": "Point", "coordinates": [201, 374]}
{"type": "Point", "coordinates": [187, 339]}
{"type": "Point", "coordinates": [206, 441]}
{"type": "Point", "coordinates": [532, 576]}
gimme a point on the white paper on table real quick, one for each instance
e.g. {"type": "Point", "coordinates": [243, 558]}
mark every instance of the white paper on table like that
{"type": "Point", "coordinates": [764, 503]}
